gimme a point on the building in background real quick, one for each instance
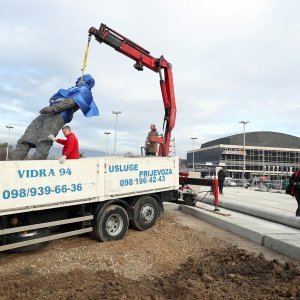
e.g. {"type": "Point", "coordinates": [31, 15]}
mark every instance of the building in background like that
{"type": "Point", "coordinates": [271, 154]}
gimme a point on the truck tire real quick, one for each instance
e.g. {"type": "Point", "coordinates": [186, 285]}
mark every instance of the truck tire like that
{"type": "Point", "coordinates": [111, 224]}
{"type": "Point", "coordinates": [145, 213]}
{"type": "Point", "coordinates": [16, 238]}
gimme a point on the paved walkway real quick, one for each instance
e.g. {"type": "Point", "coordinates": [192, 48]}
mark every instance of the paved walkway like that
{"type": "Point", "coordinates": [264, 217]}
{"type": "Point", "coordinates": [272, 199]}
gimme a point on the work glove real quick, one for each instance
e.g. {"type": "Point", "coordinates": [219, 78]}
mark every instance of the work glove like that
{"type": "Point", "coordinates": [46, 110]}
{"type": "Point", "coordinates": [62, 159]}
{"type": "Point", "coordinates": [51, 137]}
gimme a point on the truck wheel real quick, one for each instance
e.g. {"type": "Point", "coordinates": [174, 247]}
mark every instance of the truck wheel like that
{"type": "Point", "coordinates": [22, 237]}
{"type": "Point", "coordinates": [145, 213]}
{"type": "Point", "coordinates": [111, 224]}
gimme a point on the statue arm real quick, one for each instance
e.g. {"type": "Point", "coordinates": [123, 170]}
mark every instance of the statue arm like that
{"type": "Point", "coordinates": [59, 107]}
{"type": "Point", "coordinates": [64, 105]}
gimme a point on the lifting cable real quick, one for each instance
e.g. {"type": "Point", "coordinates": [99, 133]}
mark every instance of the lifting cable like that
{"type": "Point", "coordinates": [85, 58]}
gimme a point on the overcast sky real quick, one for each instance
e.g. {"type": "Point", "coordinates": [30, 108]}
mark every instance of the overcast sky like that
{"type": "Point", "coordinates": [232, 60]}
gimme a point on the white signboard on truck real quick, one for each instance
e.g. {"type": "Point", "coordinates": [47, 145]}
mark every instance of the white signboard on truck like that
{"type": "Point", "coordinates": [135, 176]}
{"type": "Point", "coordinates": [31, 185]}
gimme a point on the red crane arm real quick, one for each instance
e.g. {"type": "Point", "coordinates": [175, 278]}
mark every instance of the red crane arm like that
{"type": "Point", "coordinates": [143, 58]}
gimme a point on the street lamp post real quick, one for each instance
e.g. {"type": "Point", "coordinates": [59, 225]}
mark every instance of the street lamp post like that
{"type": "Point", "coordinates": [244, 163]}
{"type": "Point", "coordinates": [9, 128]}
{"type": "Point", "coordinates": [107, 133]}
{"type": "Point", "coordinates": [193, 138]}
{"type": "Point", "coordinates": [263, 158]}
{"type": "Point", "coordinates": [116, 113]}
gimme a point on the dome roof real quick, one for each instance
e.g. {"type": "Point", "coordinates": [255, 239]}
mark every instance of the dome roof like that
{"type": "Point", "coordinates": [258, 138]}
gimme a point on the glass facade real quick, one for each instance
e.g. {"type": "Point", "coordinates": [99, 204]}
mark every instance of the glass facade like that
{"type": "Point", "coordinates": [267, 161]}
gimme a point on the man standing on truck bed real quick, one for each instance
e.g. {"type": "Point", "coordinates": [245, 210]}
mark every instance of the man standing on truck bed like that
{"type": "Point", "coordinates": [53, 117]}
{"type": "Point", "coordinates": [71, 148]}
{"type": "Point", "coordinates": [150, 146]}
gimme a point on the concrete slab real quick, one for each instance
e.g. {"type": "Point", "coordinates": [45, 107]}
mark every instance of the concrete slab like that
{"type": "Point", "coordinates": [223, 223]}
{"type": "Point", "coordinates": [253, 209]}
{"type": "Point", "coordinates": [240, 195]}
{"type": "Point", "coordinates": [278, 237]}
{"type": "Point", "coordinates": [279, 208]}
{"type": "Point", "coordinates": [266, 199]}
{"type": "Point", "coordinates": [286, 243]}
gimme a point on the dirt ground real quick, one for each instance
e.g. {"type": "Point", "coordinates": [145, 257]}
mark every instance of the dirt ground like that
{"type": "Point", "coordinates": [179, 258]}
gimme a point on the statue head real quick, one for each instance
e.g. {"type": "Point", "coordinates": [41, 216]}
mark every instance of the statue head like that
{"type": "Point", "coordinates": [87, 79]}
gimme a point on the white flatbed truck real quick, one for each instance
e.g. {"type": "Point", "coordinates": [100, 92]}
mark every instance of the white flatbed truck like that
{"type": "Point", "coordinates": [96, 195]}
{"type": "Point", "coordinates": [100, 196]}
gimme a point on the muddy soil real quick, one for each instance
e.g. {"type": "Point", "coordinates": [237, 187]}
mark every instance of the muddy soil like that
{"type": "Point", "coordinates": [169, 261]}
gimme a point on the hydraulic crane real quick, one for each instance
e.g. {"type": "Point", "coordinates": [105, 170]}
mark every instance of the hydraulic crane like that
{"type": "Point", "coordinates": [143, 58]}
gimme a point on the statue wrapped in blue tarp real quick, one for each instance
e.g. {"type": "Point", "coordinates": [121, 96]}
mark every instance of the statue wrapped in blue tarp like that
{"type": "Point", "coordinates": [52, 118]}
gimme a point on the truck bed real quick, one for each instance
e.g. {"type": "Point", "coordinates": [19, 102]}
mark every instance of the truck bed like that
{"type": "Point", "coordinates": [35, 185]}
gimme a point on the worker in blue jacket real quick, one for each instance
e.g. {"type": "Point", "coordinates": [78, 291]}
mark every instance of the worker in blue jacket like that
{"type": "Point", "coordinates": [52, 118]}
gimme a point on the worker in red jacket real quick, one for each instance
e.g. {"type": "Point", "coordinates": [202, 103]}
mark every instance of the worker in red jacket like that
{"type": "Point", "coordinates": [70, 149]}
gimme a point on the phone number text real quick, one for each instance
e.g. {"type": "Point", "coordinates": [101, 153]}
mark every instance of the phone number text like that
{"type": "Point", "coordinates": [142, 180]}
{"type": "Point", "coordinates": [41, 190]}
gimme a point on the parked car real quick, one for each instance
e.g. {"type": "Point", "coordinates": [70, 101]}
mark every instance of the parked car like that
{"type": "Point", "coordinates": [268, 184]}
{"type": "Point", "coordinates": [241, 182]}
{"type": "Point", "coordinates": [229, 182]}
